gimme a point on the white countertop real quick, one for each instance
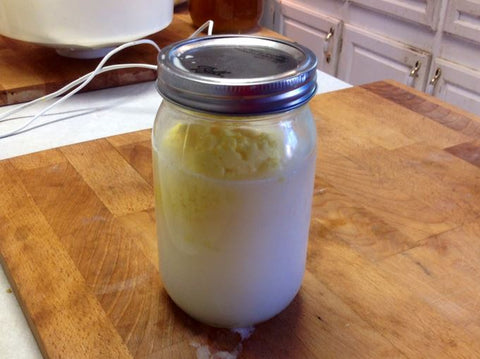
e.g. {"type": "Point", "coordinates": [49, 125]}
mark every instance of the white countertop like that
{"type": "Point", "coordinates": [84, 117]}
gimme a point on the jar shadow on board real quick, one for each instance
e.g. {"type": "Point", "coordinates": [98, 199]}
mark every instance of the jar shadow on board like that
{"type": "Point", "coordinates": [234, 148]}
{"type": "Point", "coordinates": [229, 16]}
{"type": "Point", "coordinates": [219, 339]}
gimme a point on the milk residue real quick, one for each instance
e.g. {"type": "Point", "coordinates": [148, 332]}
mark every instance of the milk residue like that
{"type": "Point", "coordinates": [205, 352]}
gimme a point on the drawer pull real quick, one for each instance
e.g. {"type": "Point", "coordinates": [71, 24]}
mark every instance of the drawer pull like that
{"type": "Point", "coordinates": [415, 69]}
{"type": "Point", "coordinates": [327, 45]}
{"type": "Point", "coordinates": [433, 81]}
{"type": "Point", "coordinates": [436, 76]}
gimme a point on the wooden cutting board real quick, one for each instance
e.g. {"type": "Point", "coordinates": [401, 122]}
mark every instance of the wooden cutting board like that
{"type": "Point", "coordinates": [29, 71]}
{"type": "Point", "coordinates": [393, 263]}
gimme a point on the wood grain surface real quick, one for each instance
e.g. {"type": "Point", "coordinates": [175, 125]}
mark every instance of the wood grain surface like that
{"type": "Point", "coordinates": [392, 267]}
{"type": "Point", "coordinates": [29, 71]}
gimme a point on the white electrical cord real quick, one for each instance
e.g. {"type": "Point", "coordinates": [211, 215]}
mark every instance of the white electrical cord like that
{"type": "Point", "coordinates": [209, 24]}
{"type": "Point", "coordinates": [83, 81]}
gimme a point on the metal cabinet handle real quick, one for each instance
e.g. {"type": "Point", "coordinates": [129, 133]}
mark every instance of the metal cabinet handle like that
{"type": "Point", "coordinates": [330, 34]}
{"type": "Point", "coordinates": [413, 74]}
{"type": "Point", "coordinates": [433, 81]}
{"type": "Point", "coordinates": [436, 76]}
{"type": "Point", "coordinates": [326, 45]}
{"type": "Point", "coordinates": [415, 69]}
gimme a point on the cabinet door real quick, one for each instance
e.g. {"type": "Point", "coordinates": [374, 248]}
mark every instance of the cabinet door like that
{"type": "Point", "coordinates": [463, 19]}
{"type": "Point", "coordinates": [271, 15]}
{"type": "Point", "coordinates": [367, 57]}
{"type": "Point", "coordinates": [420, 11]}
{"type": "Point", "coordinates": [456, 84]}
{"type": "Point", "coordinates": [315, 30]}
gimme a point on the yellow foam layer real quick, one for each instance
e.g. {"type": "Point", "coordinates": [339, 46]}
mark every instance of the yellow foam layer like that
{"type": "Point", "coordinates": [223, 152]}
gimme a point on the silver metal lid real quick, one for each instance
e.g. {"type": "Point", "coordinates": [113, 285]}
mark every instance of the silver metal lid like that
{"type": "Point", "coordinates": [237, 74]}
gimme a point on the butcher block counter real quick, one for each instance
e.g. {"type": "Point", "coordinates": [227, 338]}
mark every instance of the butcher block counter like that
{"type": "Point", "coordinates": [393, 260]}
{"type": "Point", "coordinates": [28, 71]}
{"type": "Point", "coordinates": [394, 243]}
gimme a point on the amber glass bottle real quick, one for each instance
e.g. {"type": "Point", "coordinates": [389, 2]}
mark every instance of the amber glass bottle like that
{"type": "Point", "coordinates": [229, 16]}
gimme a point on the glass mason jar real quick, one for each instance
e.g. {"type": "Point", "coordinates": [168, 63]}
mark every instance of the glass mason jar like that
{"type": "Point", "coordinates": [234, 147]}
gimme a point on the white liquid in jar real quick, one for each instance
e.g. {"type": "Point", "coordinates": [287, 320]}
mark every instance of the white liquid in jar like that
{"type": "Point", "coordinates": [232, 251]}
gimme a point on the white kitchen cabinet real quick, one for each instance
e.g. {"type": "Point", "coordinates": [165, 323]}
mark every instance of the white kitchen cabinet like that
{"type": "Point", "coordinates": [271, 14]}
{"type": "Point", "coordinates": [456, 84]}
{"type": "Point", "coordinates": [368, 57]}
{"type": "Point", "coordinates": [391, 39]}
{"type": "Point", "coordinates": [319, 32]}
{"type": "Point", "coordinates": [420, 11]}
{"type": "Point", "coordinates": [463, 19]}
{"type": "Point", "coordinates": [458, 56]}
